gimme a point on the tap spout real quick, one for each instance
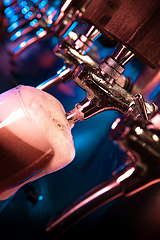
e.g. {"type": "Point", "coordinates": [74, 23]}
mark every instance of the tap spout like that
{"type": "Point", "coordinates": [64, 76]}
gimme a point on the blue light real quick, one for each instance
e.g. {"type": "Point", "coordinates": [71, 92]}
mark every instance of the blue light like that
{"type": "Point", "coordinates": [15, 36]}
{"type": "Point", "coordinates": [25, 10]}
{"type": "Point", "coordinates": [23, 44]}
{"type": "Point", "coordinates": [28, 15]}
{"type": "Point", "coordinates": [7, 2]}
{"type": "Point", "coordinates": [42, 4]}
{"type": "Point", "coordinates": [50, 11]}
{"type": "Point", "coordinates": [40, 198]}
{"type": "Point", "coordinates": [155, 93]}
{"type": "Point", "coordinates": [61, 70]}
{"type": "Point", "coordinates": [39, 31]}
{"type": "Point", "coordinates": [23, 4]}
{"type": "Point", "coordinates": [33, 22]}
{"type": "Point", "coordinates": [49, 24]}
{"type": "Point", "coordinates": [13, 19]}
{"type": "Point", "coordinates": [9, 12]}
{"type": "Point", "coordinates": [18, 34]}
{"type": "Point", "coordinates": [70, 29]}
{"type": "Point", "coordinates": [13, 27]}
{"type": "Point", "coordinates": [35, 1]}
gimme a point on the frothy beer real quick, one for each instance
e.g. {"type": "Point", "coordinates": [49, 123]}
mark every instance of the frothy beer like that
{"type": "Point", "coordinates": [35, 136]}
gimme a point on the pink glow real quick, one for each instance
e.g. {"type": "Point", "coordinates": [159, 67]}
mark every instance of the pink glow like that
{"type": "Point", "coordinates": [125, 175]}
{"type": "Point", "coordinates": [114, 125]}
{"type": "Point", "coordinates": [156, 120]}
{"type": "Point", "coordinates": [12, 117]}
{"type": "Point", "coordinates": [42, 34]}
{"type": "Point", "coordinates": [65, 5]}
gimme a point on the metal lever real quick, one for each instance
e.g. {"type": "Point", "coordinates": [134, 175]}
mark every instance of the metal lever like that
{"type": "Point", "coordinates": [138, 98]}
{"type": "Point", "coordinates": [85, 41]}
{"type": "Point", "coordinates": [74, 53]}
{"type": "Point", "coordinates": [142, 141]}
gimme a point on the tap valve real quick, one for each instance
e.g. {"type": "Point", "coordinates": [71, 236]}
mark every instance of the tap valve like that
{"type": "Point", "coordinates": [103, 91]}
{"type": "Point", "coordinates": [113, 65]}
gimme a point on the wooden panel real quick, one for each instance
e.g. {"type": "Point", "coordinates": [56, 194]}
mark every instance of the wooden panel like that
{"type": "Point", "coordinates": [137, 25]}
{"type": "Point", "coordinates": [99, 12]}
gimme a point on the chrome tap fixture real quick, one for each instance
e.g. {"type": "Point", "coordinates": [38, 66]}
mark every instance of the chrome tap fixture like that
{"type": "Point", "coordinates": [73, 52]}
{"type": "Point", "coordinates": [77, 25]}
{"type": "Point", "coordinates": [47, 20]}
{"type": "Point", "coordinates": [141, 141]}
{"type": "Point", "coordinates": [103, 91]}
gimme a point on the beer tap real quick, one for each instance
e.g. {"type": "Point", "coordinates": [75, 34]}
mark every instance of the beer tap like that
{"type": "Point", "coordinates": [49, 22]}
{"type": "Point", "coordinates": [73, 53]}
{"type": "Point", "coordinates": [60, 21]}
{"type": "Point", "coordinates": [103, 91]}
{"type": "Point", "coordinates": [140, 139]}
{"type": "Point", "coordinates": [136, 38]}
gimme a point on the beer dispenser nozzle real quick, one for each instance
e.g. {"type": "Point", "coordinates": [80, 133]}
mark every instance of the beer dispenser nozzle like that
{"type": "Point", "coordinates": [103, 92]}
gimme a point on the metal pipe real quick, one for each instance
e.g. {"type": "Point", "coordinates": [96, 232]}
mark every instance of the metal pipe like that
{"type": "Point", "coordinates": [64, 76]}
{"type": "Point", "coordinates": [84, 205]}
{"type": "Point", "coordinates": [122, 54]}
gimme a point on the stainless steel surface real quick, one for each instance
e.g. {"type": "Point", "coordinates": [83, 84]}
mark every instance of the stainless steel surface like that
{"type": "Point", "coordinates": [102, 96]}
{"type": "Point", "coordinates": [85, 41]}
{"type": "Point", "coordinates": [139, 101]}
{"type": "Point", "coordinates": [63, 77]}
{"type": "Point", "coordinates": [122, 55]}
{"type": "Point", "coordinates": [142, 142]}
{"type": "Point", "coordinates": [83, 206]}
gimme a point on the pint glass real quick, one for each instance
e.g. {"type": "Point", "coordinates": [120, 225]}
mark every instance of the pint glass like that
{"type": "Point", "coordinates": [24, 150]}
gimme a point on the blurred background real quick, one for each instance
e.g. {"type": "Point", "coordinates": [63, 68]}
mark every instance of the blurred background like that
{"type": "Point", "coordinates": [25, 215]}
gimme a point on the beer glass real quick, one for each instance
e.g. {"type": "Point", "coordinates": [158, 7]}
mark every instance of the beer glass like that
{"type": "Point", "coordinates": [24, 150]}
